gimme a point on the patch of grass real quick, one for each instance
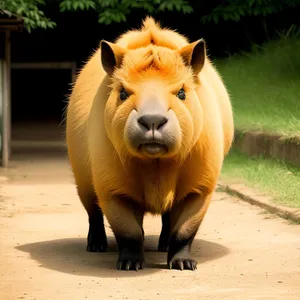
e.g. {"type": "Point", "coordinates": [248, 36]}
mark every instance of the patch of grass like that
{"type": "Point", "coordinates": [276, 178]}
{"type": "Point", "coordinates": [265, 87]}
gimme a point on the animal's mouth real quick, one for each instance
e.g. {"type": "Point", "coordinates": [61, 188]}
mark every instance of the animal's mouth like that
{"type": "Point", "coordinates": [153, 148]}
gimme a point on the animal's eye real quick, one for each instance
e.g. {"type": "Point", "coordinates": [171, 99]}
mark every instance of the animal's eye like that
{"type": "Point", "coordinates": [123, 95]}
{"type": "Point", "coordinates": [181, 94]}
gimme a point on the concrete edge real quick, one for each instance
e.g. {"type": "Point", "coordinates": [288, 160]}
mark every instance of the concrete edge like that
{"type": "Point", "coordinates": [242, 192]}
{"type": "Point", "coordinates": [38, 144]}
{"type": "Point", "coordinates": [257, 143]}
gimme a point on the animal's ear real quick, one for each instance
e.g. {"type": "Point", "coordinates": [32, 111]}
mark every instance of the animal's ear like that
{"type": "Point", "coordinates": [111, 56]}
{"type": "Point", "coordinates": [194, 55]}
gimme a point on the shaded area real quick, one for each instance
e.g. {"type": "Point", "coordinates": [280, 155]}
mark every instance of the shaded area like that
{"type": "Point", "coordinates": [39, 95]}
{"type": "Point", "coordinates": [70, 256]}
{"type": "Point", "coordinates": [38, 141]}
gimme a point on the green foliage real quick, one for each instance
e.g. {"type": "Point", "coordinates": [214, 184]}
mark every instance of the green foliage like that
{"type": "Point", "coordinates": [29, 11]}
{"type": "Point", "coordinates": [108, 11]}
{"type": "Point", "coordinates": [278, 179]}
{"type": "Point", "coordinates": [68, 5]}
{"type": "Point", "coordinates": [264, 85]}
{"type": "Point", "coordinates": [235, 10]}
{"type": "Point", "coordinates": [292, 31]}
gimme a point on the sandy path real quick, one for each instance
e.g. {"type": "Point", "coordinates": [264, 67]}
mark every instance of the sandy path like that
{"type": "Point", "coordinates": [242, 252]}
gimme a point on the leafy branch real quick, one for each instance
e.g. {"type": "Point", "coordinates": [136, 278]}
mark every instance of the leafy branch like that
{"type": "Point", "coordinates": [235, 10]}
{"type": "Point", "coordinates": [108, 11]}
{"type": "Point", "coordinates": [29, 11]}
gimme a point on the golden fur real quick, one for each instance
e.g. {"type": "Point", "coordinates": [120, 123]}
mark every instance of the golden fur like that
{"type": "Point", "coordinates": [100, 160]}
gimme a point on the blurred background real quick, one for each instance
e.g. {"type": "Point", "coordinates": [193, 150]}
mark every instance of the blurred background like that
{"type": "Point", "coordinates": [254, 44]}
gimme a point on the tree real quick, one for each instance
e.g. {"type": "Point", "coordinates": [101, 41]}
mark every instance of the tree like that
{"type": "Point", "coordinates": [235, 10]}
{"type": "Point", "coordinates": [29, 10]}
{"type": "Point", "coordinates": [108, 10]}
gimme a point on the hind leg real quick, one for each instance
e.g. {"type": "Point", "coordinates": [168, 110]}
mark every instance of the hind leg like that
{"type": "Point", "coordinates": [165, 233]}
{"type": "Point", "coordinates": [96, 239]}
{"type": "Point", "coordinates": [77, 149]}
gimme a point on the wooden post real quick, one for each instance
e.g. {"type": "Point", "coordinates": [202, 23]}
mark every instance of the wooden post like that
{"type": "Point", "coordinates": [6, 103]}
{"type": "Point", "coordinates": [8, 59]}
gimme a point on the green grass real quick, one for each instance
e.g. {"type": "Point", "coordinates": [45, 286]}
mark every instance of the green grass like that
{"type": "Point", "coordinates": [265, 87]}
{"type": "Point", "coordinates": [277, 179]}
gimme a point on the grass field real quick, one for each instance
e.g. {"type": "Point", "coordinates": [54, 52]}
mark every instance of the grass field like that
{"type": "Point", "coordinates": [265, 87]}
{"type": "Point", "coordinates": [276, 178]}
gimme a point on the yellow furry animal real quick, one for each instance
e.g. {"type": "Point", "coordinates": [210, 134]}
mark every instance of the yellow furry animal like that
{"type": "Point", "coordinates": [148, 124]}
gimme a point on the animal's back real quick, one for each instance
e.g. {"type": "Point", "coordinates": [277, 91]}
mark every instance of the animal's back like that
{"type": "Point", "coordinates": [77, 116]}
{"type": "Point", "coordinates": [211, 78]}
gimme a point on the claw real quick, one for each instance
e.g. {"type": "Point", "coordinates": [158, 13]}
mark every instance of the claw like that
{"type": "Point", "coordinates": [188, 265]}
{"type": "Point", "coordinates": [96, 248]}
{"type": "Point", "coordinates": [180, 265]}
{"type": "Point", "coordinates": [193, 265]}
{"type": "Point", "coordinates": [138, 265]}
{"type": "Point", "coordinates": [183, 264]}
{"type": "Point", "coordinates": [119, 265]}
{"type": "Point", "coordinates": [128, 265]}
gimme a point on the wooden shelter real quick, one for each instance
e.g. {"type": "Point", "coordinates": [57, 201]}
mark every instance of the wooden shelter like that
{"type": "Point", "coordinates": [8, 23]}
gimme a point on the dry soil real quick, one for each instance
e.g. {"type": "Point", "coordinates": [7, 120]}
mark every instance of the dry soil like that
{"type": "Point", "coordinates": [242, 252]}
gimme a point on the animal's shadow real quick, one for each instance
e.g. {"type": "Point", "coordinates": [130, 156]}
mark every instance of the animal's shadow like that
{"type": "Point", "coordinates": [70, 256]}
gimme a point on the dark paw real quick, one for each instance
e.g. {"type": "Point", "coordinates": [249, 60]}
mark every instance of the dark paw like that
{"type": "Point", "coordinates": [96, 248]}
{"type": "Point", "coordinates": [182, 260]}
{"type": "Point", "coordinates": [129, 265]}
{"type": "Point", "coordinates": [130, 261]}
{"type": "Point", "coordinates": [183, 264]}
{"type": "Point", "coordinates": [97, 243]}
{"type": "Point", "coordinates": [162, 247]}
{"type": "Point", "coordinates": [163, 243]}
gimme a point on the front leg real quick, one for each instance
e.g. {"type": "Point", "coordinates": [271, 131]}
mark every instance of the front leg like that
{"type": "Point", "coordinates": [185, 219]}
{"type": "Point", "coordinates": [126, 221]}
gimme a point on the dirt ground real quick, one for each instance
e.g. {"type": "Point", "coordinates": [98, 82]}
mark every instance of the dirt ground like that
{"type": "Point", "coordinates": [243, 253]}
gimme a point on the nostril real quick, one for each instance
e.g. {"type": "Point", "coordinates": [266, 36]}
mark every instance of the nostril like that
{"type": "Point", "coordinates": [152, 121]}
{"type": "Point", "coordinates": [162, 122]}
{"type": "Point", "coordinates": [143, 121]}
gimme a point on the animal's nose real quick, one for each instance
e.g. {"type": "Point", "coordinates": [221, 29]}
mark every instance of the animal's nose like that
{"type": "Point", "coordinates": [152, 121]}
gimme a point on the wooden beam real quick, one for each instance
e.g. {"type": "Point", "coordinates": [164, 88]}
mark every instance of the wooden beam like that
{"type": "Point", "coordinates": [44, 65]}
{"type": "Point", "coordinates": [12, 27]}
{"type": "Point", "coordinates": [11, 21]}
{"type": "Point", "coordinates": [74, 72]}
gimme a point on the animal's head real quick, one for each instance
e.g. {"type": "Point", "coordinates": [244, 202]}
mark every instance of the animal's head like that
{"type": "Point", "coordinates": [153, 110]}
